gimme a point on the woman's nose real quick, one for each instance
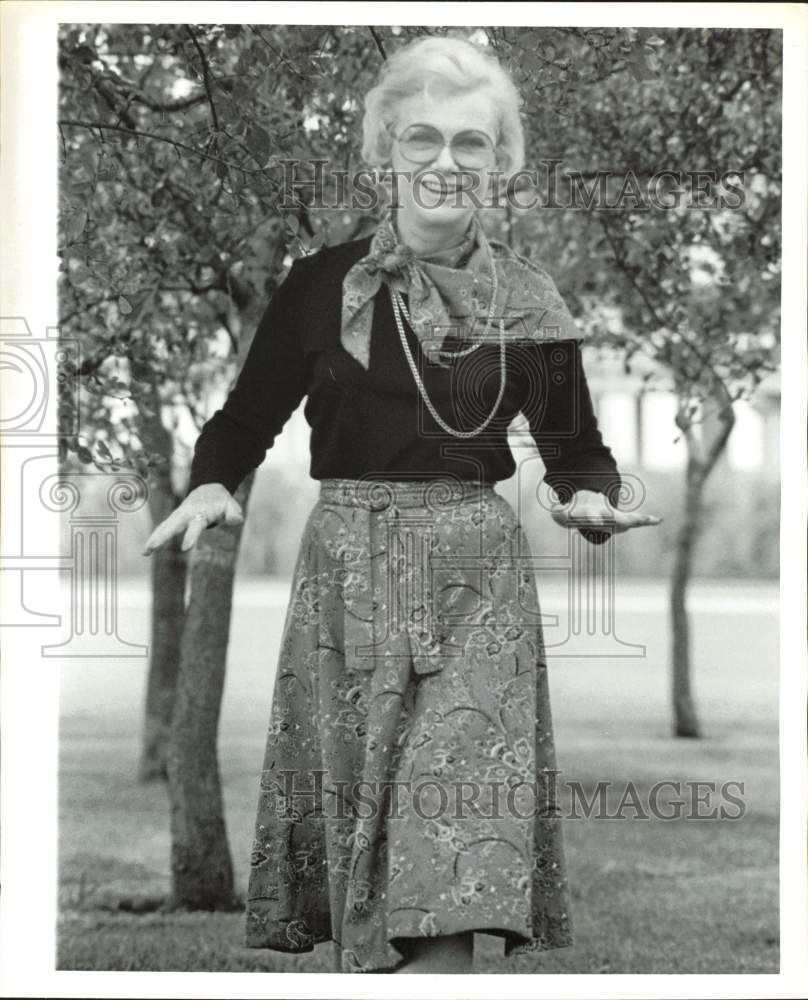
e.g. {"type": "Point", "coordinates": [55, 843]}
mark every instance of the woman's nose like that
{"type": "Point", "coordinates": [445, 160]}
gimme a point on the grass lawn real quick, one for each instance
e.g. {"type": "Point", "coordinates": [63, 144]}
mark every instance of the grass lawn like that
{"type": "Point", "coordinates": [649, 895]}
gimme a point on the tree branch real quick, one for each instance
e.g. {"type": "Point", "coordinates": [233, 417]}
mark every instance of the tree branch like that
{"type": "Point", "coordinates": [99, 126]}
{"type": "Point", "coordinates": [205, 75]}
{"type": "Point", "coordinates": [133, 95]}
{"type": "Point", "coordinates": [377, 38]}
{"type": "Point", "coordinates": [705, 363]}
{"type": "Point", "coordinates": [289, 65]}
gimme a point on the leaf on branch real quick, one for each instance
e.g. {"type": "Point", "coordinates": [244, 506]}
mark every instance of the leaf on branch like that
{"type": "Point", "coordinates": [236, 178]}
{"type": "Point", "coordinates": [260, 143]}
{"type": "Point", "coordinates": [639, 67]}
{"type": "Point", "coordinates": [79, 274]}
{"type": "Point", "coordinates": [75, 226]}
{"type": "Point", "coordinates": [317, 240]}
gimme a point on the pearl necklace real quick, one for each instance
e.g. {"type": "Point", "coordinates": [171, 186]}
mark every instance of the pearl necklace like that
{"type": "Point", "coordinates": [399, 308]}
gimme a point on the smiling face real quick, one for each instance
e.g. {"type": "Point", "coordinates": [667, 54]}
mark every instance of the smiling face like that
{"type": "Point", "coordinates": [440, 193]}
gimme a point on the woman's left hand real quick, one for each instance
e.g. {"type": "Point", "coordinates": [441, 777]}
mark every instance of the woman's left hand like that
{"type": "Point", "coordinates": [588, 510]}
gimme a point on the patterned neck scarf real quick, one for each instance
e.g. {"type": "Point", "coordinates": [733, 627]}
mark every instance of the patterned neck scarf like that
{"type": "Point", "coordinates": [449, 293]}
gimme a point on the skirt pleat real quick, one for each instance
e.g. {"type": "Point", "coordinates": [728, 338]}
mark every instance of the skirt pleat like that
{"type": "Point", "coordinates": [409, 777]}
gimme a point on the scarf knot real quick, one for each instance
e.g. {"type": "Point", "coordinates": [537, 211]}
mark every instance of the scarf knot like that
{"type": "Point", "coordinates": [393, 261]}
{"type": "Point", "coordinates": [451, 290]}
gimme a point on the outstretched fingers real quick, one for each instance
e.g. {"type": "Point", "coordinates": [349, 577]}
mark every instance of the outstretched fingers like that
{"type": "Point", "coordinates": [196, 525]}
{"type": "Point", "coordinates": [624, 521]}
{"type": "Point", "coordinates": [173, 525]}
{"type": "Point", "coordinates": [616, 520]}
{"type": "Point", "coordinates": [193, 523]}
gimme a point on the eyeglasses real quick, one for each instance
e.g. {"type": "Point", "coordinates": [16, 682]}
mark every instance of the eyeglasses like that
{"type": "Point", "coordinates": [421, 144]}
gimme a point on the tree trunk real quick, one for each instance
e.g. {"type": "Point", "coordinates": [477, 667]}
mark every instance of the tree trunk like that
{"type": "Point", "coordinates": [701, 461]}
{"type": "Point", "coordinates": [168, 574]}
{"type": "Point", "coordinates": [201, 866]}
{"type": "Point", "coordinates": [685, 721]}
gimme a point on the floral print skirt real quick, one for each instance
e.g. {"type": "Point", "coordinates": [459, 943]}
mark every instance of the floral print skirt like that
{"type": "Point", "coordinates": [409, 778]}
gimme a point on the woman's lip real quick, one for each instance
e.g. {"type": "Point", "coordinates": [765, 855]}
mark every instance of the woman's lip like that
{"type": "Point", "coordinates": [434, 186]}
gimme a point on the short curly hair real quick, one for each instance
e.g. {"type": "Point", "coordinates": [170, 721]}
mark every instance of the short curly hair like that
{"type": "Point", "coordinates": [441, 64]}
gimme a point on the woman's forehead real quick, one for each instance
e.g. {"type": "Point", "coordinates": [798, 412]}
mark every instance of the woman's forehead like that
{"type": "Point", "coordinates": [450, 112]}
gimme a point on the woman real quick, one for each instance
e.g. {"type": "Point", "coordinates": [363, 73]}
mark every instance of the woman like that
{"type": "Point", "coordinates": [412, 664]}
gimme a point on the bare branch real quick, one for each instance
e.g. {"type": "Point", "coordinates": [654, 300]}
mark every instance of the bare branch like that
{"type": "Point", "coordinates": [704, 362]}
{"type": "Point", "coordinates": [139, 133]}
{"type": "Point", "coordinates": [377, 38]}
{"type": "Point", "coordinates": [289, 65]}
{"type": "Point", "coordinates": [205, 75]}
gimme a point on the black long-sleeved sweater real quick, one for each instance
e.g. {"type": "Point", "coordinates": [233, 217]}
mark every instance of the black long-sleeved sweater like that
{"type": "Point", "coordinates": [373, 423]}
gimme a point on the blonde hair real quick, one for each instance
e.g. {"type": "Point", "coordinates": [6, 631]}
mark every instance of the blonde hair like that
{"type": "Point", "coordinates": [438, 64]}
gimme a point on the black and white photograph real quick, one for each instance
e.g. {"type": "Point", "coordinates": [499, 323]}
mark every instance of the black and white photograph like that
{"type": "Point", "coordinates": [404, 490]}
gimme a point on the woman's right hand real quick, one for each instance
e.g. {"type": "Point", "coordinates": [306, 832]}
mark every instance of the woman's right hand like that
{"type": "Point", "coordinates": [208, 504]}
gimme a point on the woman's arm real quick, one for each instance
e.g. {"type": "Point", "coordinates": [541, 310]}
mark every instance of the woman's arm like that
{"type": "Point", "coordinates": [270, 386]}
{"type": "Point", "coordinates": [562, 421]}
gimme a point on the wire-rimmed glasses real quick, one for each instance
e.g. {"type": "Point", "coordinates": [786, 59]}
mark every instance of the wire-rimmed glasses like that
{"type": "Point", "coordinates": [420, 143]}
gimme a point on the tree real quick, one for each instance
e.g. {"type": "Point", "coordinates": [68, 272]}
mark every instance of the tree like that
{"type": "Point", "coordinates": [177, 221]}
{"type": "Point", "coordinates": [175, 227]}
{"type": "Point", "coordinates": [690, 259]}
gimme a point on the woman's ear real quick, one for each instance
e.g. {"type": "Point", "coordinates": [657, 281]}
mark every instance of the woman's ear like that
{"type": "Point", "coordinates": [384, 147]}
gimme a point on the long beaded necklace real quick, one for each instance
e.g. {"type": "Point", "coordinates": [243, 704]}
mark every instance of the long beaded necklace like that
{"type": "Point", "coordinates": [399, 308]}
